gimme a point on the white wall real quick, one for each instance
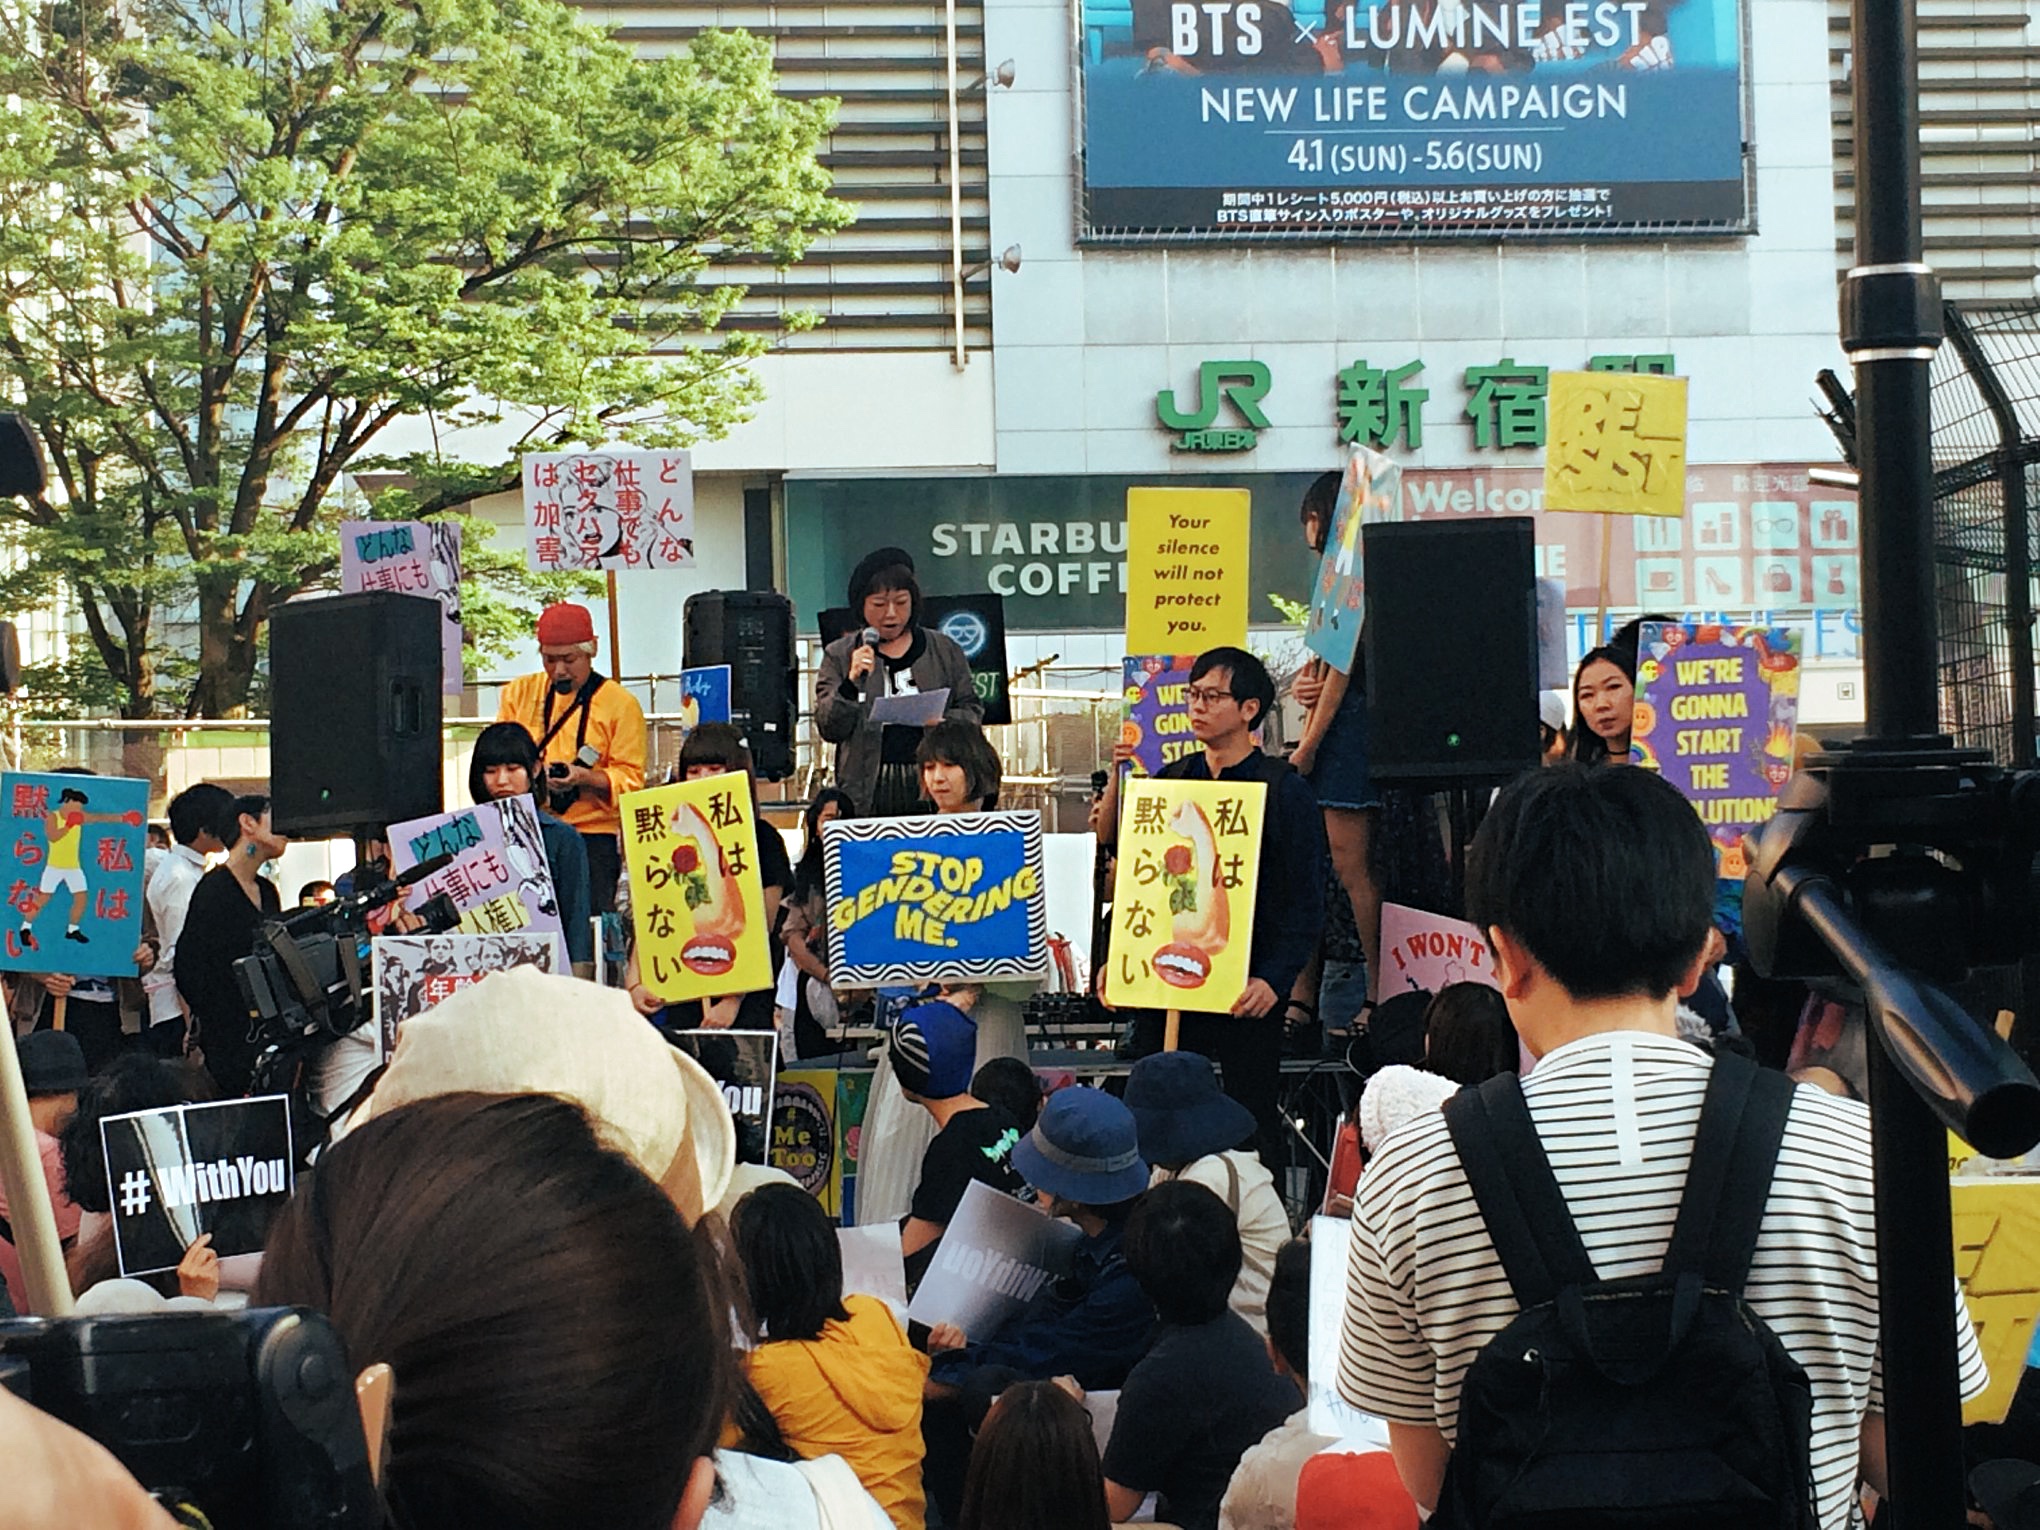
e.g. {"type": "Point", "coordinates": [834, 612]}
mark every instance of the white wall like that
{"type": "Point", "coordinates": [1086, 338]}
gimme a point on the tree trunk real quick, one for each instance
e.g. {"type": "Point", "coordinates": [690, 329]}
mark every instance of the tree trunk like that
{"type": "Point", "coordinates": [226, 661]}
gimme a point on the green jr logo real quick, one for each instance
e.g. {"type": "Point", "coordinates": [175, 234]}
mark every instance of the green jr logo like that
{"type": "Point", "coordinates": [1243, 384]}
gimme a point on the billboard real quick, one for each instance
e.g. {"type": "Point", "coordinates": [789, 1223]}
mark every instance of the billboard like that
{"type": "Point", "coordinates": [1411, 118]}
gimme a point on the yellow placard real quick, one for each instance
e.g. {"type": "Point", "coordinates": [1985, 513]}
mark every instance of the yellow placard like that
{"type": "Point", "coordinates": [696, 900]}
{"type": "Point", "coordinates": [1186, 569]}
{"type": "Point", "coordinates": [1618, 443]}
{"type": "Point", "coordinates": [1997, 1259]}
{"type": "Point", "coordinates": [1183, 899]}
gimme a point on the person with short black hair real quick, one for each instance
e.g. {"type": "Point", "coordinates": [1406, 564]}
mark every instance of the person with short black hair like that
{"type": "Point", "coordinates": [836, 1371]}
{"type": "Point", "coordinates": [316, 894]}
{"type": "Point", "coordinates": [505, 764]}
{"type": "Point", "coordinates": [875, 761]}
{"type": "Point", "coordinates": [1230, 693]}
{"type": "Point", "coordinates": [1205, 1392]}
{"type": "Point", "coordinates": [1596, 890]}
{"type": "Point", "coordinates": [1010, 1084]}
{"type": "Point", "coordinates": [227, 907]}
{"type": "Point", "coordinates": [960, 770]}
{"type": "Point", "coordinates": [195, 814]}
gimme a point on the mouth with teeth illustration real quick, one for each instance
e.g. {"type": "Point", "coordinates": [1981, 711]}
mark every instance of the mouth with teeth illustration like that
{"type": "Point", "coordinates": [1182, 966]}
{"type": "Point", "coordinates": [709, 955]}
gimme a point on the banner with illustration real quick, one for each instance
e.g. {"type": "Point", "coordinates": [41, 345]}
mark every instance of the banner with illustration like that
{"type": "Point", "coordinates": [1618, 444]}
{"type": "Point", "coordinates": [500, 879]}
{"type": "Point", "coordinates": [1387, 119]}
{"type": "Point", "coordinates": [1717, 709]}
{"type": "Point", "coordinates": [1183, 898]}
{"type": "Point", "coordinates": [608, 510]}
{"type": "Point", "coordinates": [1428, 952]}
{"type": "Point", "coordinates": [412, 973]}
{"type": "Point", "coordinates": [221, 1170]}
{"type": "Point", "coordinates": [696, 898]}
{"type": "Point", "coordinates": [995, 1257]}
{"type": "Point", "coordinates": [410, 558]}
{"type": "Point", "coordinates": [74, 870]}
{"type": "Point", "coordinates": [704, 697]}
{"type": "Point", "coordinates": [1370, 490]}
{"type": "Point", "coordinates": [954, 898]}
{"type": "Point", "coordinates": [1155, 710]}
{"type": "Point", "coordinates": [804, 1134]}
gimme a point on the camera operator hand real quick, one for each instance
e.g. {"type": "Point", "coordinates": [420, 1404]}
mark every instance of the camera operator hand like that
{"type": "Point", "coordinates": [58, 1478]}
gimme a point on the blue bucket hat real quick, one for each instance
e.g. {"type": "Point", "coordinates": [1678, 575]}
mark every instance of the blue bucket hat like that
{"type": "Point", "coordinates": [1180, 1110]}
{"type": "Point", "coordinates": [1083, 1148]}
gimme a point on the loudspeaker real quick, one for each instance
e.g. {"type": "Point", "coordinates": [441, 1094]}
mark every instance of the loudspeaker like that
{"type": "Point", "coordinates": [354, 712]}
{"type": "Point", "coordinates": [752, 632]}
{"type": "Point", "coordinates": [1451, 643]}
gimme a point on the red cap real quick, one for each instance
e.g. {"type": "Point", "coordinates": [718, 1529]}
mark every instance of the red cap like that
{"type": "Point", "coordinates": [563, 624]}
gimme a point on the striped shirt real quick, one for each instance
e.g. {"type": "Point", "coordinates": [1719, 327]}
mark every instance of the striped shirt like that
{"type": "Point", "coordinates": [1616, 1114]}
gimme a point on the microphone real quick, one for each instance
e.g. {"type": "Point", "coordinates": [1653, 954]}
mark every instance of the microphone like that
{"type": "Point", "coordinates": [424, 869]}
{"type": "Point", "coordinates": [869, 639]}
{"type": "Point", "coordinates": [362, 900]}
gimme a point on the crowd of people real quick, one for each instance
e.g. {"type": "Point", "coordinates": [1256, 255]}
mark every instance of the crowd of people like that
{"type": "Point", "coordinates": [1602, 1262]}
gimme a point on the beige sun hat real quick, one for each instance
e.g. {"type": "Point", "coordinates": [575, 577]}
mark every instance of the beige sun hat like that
{"type": "Point", "coordinates": [523, 1031]}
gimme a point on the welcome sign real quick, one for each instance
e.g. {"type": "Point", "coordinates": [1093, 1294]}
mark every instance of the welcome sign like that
{"type": "Point", "coordinates": [957, 897]}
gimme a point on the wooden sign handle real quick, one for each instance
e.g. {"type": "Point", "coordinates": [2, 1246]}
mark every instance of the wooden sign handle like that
{"type": "Point", "coordinates": [1172, 1031]}
{"type": "Point", "coordinates": [63, 1002]}
{"type": "Point", "coordinates": [28, 1200]}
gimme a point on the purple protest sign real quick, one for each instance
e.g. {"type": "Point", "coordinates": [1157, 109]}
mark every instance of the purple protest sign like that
{"type": "Point", "coordinates": [1716, 711]}
{"type": "Point", "coordinates": [409, 558]}
{"type": "Point", "coordinates": [499, 880]}
{"type": "Point", "coordinates": [1155, 710]}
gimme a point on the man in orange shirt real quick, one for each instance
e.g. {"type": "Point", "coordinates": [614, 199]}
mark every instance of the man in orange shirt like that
{"type": "Point", "coordinates": [591, 739]}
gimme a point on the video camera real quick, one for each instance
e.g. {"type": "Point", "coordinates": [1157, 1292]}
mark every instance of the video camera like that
{"type": "Point", "coordinates": [241, 1420]}
{"type": "Point", "coordinates": [303, 982]}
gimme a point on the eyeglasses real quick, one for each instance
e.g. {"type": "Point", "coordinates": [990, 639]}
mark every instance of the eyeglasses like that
{"type": "Point", "coordinates": [1207, 696]}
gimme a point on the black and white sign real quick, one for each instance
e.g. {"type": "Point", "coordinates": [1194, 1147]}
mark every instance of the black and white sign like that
{"type": "Point", "coordinates": [412, 973]}
{"type": "Point", "coordinates": [172, 1174]}
{"type": "Point", "coordinates": [993, 1260]}
{"type": "Point", "coordinates": [743, 1064]}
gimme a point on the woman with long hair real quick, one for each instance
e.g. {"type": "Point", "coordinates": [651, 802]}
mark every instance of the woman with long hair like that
{"type": "Point", "coordinates": [1035, 1464]}
{"type": "Point", "coordinates": [1604, 701]}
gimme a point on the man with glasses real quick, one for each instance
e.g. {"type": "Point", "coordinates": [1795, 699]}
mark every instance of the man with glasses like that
{"type": "Point", "coordinates": [591, 740]}
{"type": "Point", "coordinates": [1229, 693]}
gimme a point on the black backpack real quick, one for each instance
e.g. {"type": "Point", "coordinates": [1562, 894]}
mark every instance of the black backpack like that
{"type": "Point", "coordinates": [1660, 1402]}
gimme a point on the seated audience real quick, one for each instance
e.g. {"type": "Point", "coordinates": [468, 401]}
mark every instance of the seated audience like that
{"type": "Point", "coordinates": [836, 1372]}
{"type": "Point", "coordinates": [1035, 1464]}
{"type": "Point", "coordinates": [1191, 1130]}
{"type": "Point", "coordinates": [557, 1359]}
{"type": "Point", "coordinates": [1205, 1392]}
{"type": "Point", "coordinates": [932, 1048]}
{"type": "Point", "coordinates": [53, 1073]}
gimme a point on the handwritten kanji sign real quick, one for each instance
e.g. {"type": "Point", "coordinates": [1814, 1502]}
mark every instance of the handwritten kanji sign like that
{"type": "Point", "coordinates": [1618, 444]}
{"type": "Point", "coordinates": [72, 863]}
{"type": "Point", "coordinates": [1183, 900]}
{"type": "Point", "coordinates": [500, 879]}
{"type": "Point", "coordinates": [696, 897]}
{"type": "Point", "coordinates": [609, 510]}
{"type": "Point", "coordinates": [419, 558]}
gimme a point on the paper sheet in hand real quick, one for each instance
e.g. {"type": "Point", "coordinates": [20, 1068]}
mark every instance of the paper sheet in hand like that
{"type": "Point", "coordinates": [994, 1259]}
{"type": "Point", "coordinates": [912, 711]}
{"type": "Point", "coordinates": [1331, 1246]}
{"type": "Point", "coordinates": [872, 1265]}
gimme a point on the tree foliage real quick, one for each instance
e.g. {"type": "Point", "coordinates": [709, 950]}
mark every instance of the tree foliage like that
{"type": "Point", "coordinates": [242, 242]}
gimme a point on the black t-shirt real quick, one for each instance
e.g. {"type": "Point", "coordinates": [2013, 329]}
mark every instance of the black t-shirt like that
{"type": "Point", "coordinates": [1198, 1401]}
{"type": "Point", "coordinates": [218, 931]}
{"type": "Point", "coordinates": [898, 743]}
{"type": "Point", "coordinates": [975, 1145]}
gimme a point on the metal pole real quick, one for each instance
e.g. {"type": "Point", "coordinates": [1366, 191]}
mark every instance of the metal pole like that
{"type": "Point", "coordinates": [955, 186]}
{"type": "Point", "coordinates": [1890, 326]}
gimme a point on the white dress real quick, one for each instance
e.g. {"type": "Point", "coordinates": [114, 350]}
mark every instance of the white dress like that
{"type": "Point", "coordinates": [897, 1131]}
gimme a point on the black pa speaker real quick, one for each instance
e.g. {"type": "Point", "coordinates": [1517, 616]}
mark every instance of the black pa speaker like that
{"type": "Point", "coordinates": [752, 632]}
{"type": "Point", "coordinates": [354, 712]}
{"type": "Point", "coordinates": [1451, 641]}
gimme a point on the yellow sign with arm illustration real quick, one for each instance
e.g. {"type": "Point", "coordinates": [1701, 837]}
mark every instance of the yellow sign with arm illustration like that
{"type": "Point", "coordinates": [697, 902]}
{"type": "Point", "coordinates": [1183, 898]}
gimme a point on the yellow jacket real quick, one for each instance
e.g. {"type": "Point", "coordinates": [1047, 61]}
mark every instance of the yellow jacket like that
{"type": "Point", "coordinates": [855, 1392]}
{"type": "Point", "coordinates": [616, 728]}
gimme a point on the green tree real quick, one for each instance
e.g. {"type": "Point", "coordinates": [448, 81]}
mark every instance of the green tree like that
{"type": "Point", "coordinates": [242, 239]}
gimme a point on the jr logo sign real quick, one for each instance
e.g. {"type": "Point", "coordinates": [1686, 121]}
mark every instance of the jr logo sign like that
{"type": "Point", "coordinates": [1243, 384]}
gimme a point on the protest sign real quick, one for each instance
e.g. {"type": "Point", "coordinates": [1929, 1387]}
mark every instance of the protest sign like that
{"type": "Point", "coordinates": [74, 872]}
{"type": "Point", "coordinates": [804, 1134]}
{"type": "Point", "coordinates": [1155, 710]}
{"type": "Point", "coordinates": [743, 1064]}
{"type": "Point", "coordinates": [994, 1258]}
{"type": "Point", "coordinates": [174, 1173]}
{"type": "Point", "coordinates": [1716, 712]}
{"type": "Point", "coordinates": [1618, 444]}
{"type": "Point", "coordinates": [1186, 569]}
{"type": "Point", "coordinates": [500, 879]}
{"type": "Point", "coordinates": [1996, 1224]}
{"type": "Point", "coordinates": [704, 697]}
{"type": "Point", "coordinates": [411, 973]}
{"type": "Point", "coordinates": [1183, 898]}
{"type": "Point", "coordinates": [958, 897]}
{"type": "Point", "coordinates": [1331, 1252]}
{"type": "Point", "coordinates": [1370, 490]}
{"type": "Point", "coordinates": [609, 510]}
{"type": "Point", "coordinates": [409, 558]}
{"type": "Point", "coordinates": [1427, 952]}
{"type": "Point", "coordinates": [873, 1265]}
{"type": "Point", "coordinates": [853, 1096]}
{"type": "Point", "coordinates": [697, 902]}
